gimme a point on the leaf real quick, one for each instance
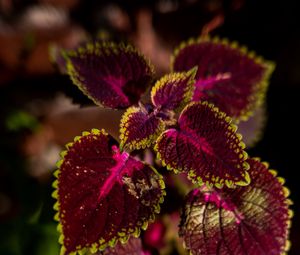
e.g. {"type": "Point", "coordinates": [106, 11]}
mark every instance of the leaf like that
{"type": "Point", "coordinates": [252, 130]}
{"type": "Point", "coordinates": [113, 76]}
{"type": "Point", "coordinates": [103, 195]}
{"type": "Point", "coordinates": [132, 247]}
{"type": "Point", "coordinates": [174, 90]}
{"type": "Point", "coordinates": [139, 129]}
{"type": "Point", "coordinates": [206, 146]}
{"type": "Point", "coordinates": [56, 55]}
{"type": "Point", "coordinates": [250, 220]}
{"type": "Point", "coordinates": [228, 75]}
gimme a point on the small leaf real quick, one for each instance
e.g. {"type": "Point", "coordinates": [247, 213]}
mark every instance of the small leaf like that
{"type": "Point", "coordinates": [111, 75]}
{"type": "Point", "coordinates": [103, 195]}
{"type": "Point", "coordinates": [228, 76]}
{"type": "Point", "coordinates": [206, 146]}
{"type": "Point", "coordinates": [139, 129]}
{"type": "Point", "coordinates": [250, 220]}
{"type": "Point", "coordinates": [132, 247]}
{"type": "Point", "coordinates": [174, 90]}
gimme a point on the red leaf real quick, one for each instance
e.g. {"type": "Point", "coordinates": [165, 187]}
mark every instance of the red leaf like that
{"type": "Point", "coordinates": [103, 195]}
{"type": "Point", "coordinates": [250, 220]}
{"type": "Point", "coordinates": [252, 130]}
{"type": "Point", "coordinates": [228, 76]}
{"type": "Point", "coordinates": [56, 57]}
{"type": "Point", "coordinates": [132, 247]}
{"type": "Point", "coordinates": [205, 146]}
{"type": "Point", "coordinates": [111, 75]}
{"type": "Point", "coordinates": [174, 90]}
{"type": "Point", "coordinates": [139, 129]}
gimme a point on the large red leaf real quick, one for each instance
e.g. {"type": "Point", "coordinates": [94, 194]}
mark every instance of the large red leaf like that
{"type": "Point", "coordinates": [252, 220]}
{"type": "Point", "coordinates": [206, 146]}
{"type": "Point", "coordinates": [111, 75]}
{"type": "Point", "coordinates": [228, 76]}
{"type": "Point", "coordinates": [103, 195]}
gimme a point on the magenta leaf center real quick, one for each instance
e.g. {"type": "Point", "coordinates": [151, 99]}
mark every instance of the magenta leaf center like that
{"type": "Point", "coordinates": [116, 172]}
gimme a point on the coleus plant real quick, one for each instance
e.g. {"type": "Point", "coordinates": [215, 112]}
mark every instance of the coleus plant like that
{"type": "Point", "coordinates": [106, 196]}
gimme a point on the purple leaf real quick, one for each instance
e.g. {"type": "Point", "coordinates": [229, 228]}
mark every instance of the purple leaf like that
{"type": "Point", "coordinates": [139, 129]}
{"type": "Point", "coordinates": [103, 195]}
{"type": "Point", "coordinates": [206, 146]}
{"type": "Point", "coordinates": [111, 75]}
{"type": "Point", "coordinates": [57, 57]}
{"type": "Point", "coordinates": [228, 76]}
{"type": "Point", "coordinates": [174, 90]}
{"type": "Point", "coordinates": [132, 247]}
{"type": "Point", "coordinates": [58, 53]}
{"type": "Point", "coordinates": [250, 220]}
{"type": "Point", "coordinates": [252, 130]}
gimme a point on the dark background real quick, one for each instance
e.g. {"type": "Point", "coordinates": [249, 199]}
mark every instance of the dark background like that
{"type": "Point", "coordinates": [271, 28]}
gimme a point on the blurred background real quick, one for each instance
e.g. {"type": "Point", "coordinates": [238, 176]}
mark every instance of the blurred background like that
{"type": "Point", "coordinates": [40, 109]}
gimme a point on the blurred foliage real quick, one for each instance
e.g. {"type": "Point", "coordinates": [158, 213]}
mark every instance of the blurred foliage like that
{"type": "Point", "coordinates": [19, 120]}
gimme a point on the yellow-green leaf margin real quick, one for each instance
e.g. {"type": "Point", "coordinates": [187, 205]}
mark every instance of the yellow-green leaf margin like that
{"type": "Point", "coordinates": [121, 236]}
{"type": "Point", "coordinates": [174, 77]}
{"type": "Point", "coordinates": [96, 47]}
{"type": "Point", "coordinates": [260, 89]}
{"type": "Point", "coordinates": [137, 144]}
{"type": "Point", "coordinates": [286, 192]}
{"type": "Point", "coordinates": [215, 181]}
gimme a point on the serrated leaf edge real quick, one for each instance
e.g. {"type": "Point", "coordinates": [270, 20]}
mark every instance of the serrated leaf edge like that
{"type": "Point", "coordinates": [259, 89]}
{"type": "Point", "coordinates": [137, 144]}
{"type": "Point", "coordinates": [122, 236]}
{"type": "Point", "coordinates": [94, 47]}
{"type": "Point", "coordinates": [288, 202]}
{"type": "Point", "coordinates": [217, 182]}
{"type": "Point", "coordinates": [175, 77]}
